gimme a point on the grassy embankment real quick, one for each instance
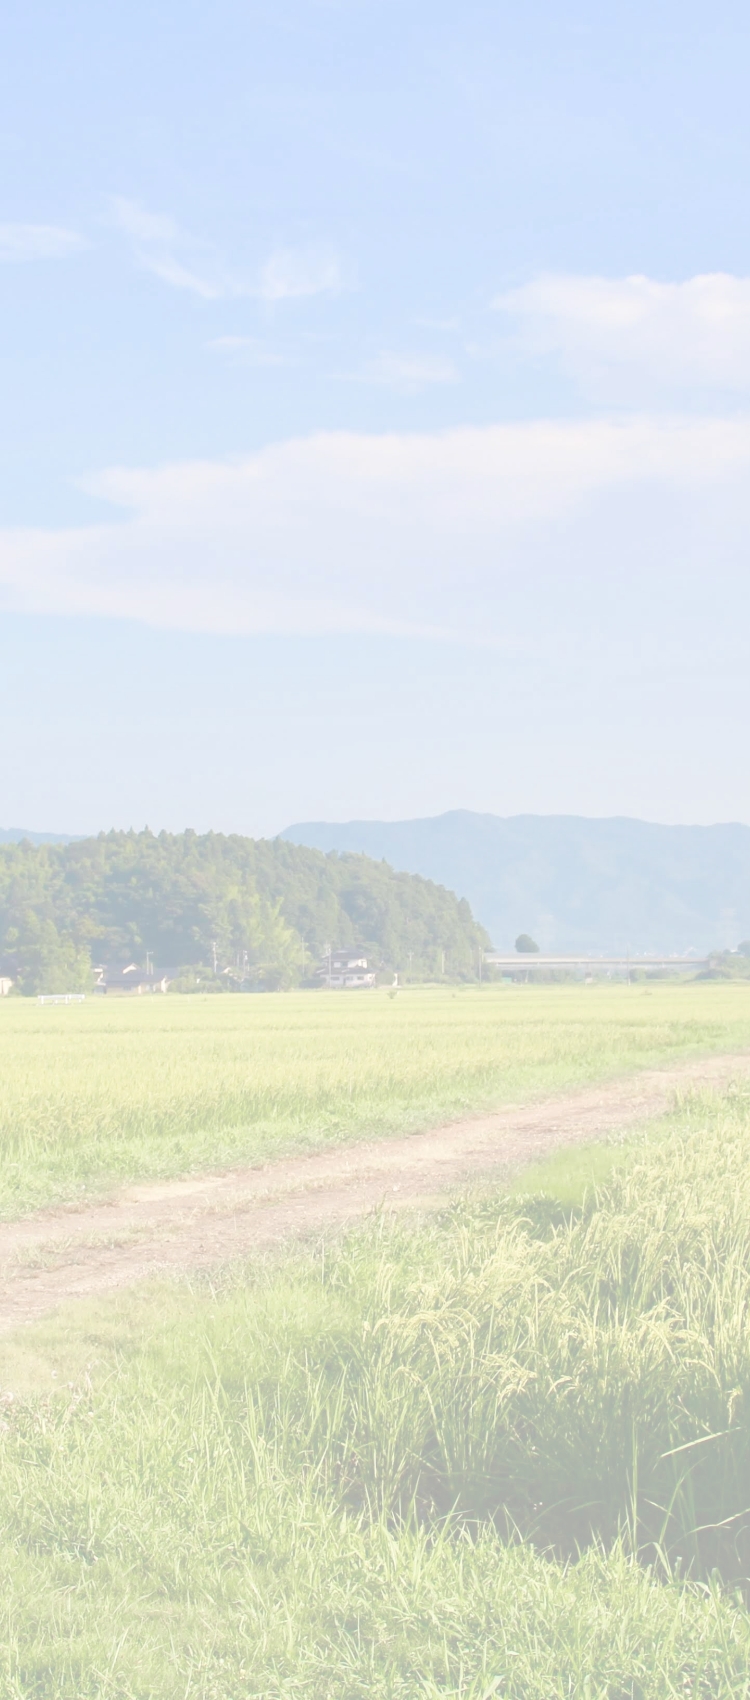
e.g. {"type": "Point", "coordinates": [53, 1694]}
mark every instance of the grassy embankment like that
{"type": "Point", "coordinates": [154, 1087]}
{"type": "Point", "coordinates": [372, 1474]}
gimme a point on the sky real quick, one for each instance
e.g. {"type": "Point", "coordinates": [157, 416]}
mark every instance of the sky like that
{"type": "Point", "coordinates": [375, 411]}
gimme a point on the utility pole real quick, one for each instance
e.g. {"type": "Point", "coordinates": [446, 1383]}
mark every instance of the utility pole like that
{"type": "Point", "coordinates": [213, 947]}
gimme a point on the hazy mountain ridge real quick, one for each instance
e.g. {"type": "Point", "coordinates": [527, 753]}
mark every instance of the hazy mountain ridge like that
{"type": "Point", "coordinates": [17, 835]}
{"type": "Point", "coordinates": [575, 883]}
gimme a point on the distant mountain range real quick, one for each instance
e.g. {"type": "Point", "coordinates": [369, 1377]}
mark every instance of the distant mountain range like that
{"type": "Point", "coordinates": [17, 834]}
{"type": "Point", "coordinates": [574, 884]}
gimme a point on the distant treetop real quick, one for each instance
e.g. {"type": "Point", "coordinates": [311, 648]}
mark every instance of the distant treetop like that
{"type": "Point", "coordinates": [525, 942]}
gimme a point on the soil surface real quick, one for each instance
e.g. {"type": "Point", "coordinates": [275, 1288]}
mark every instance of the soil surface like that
{"type": "Point", "coordinates": [84, 1251]}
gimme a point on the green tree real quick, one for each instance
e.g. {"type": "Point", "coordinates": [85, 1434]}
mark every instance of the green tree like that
{"type": "Point", "coordinates": [525, 943]}
{"type": "Point", "coordinates": [49, 961]}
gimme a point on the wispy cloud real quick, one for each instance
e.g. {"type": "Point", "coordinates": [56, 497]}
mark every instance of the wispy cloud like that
{"type": "Point", "coordinates": [38, 242]}
{"type": "Point", "coordinates": [161, 247]}
{"type": "Point", "coordinates": [407, 373]}
{"type": "Point", "coordinates": [181, 260]}
{"type": "Point", "coordinates": [142, 225]}
{"type": "Point", "coordinates": [630, 337]}
{"type": "Point", "coordinates": [292, 273]}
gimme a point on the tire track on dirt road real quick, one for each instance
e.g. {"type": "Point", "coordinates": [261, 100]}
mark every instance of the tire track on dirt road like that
{"type": "Point", "coordinates": [209, 1219]}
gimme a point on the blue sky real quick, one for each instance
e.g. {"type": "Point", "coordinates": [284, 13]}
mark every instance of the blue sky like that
{"type": "Point", "coordinates": [375, 425]}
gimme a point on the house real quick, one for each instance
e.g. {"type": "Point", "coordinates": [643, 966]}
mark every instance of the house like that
{"type": "Point", "coordinates": [132, 978]}
{"type": "Point", "coordinates": [346, 970]}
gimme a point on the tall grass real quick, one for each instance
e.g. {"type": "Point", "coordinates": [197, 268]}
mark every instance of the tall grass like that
{"type": "Point", "coordinates": [159, 1086]}
{"type": "Point", "coordinates": [506, 1452]}
{"type": "Point", "coordinates": [572, 1379]}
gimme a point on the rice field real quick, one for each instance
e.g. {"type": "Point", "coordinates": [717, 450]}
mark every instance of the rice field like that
{"type": "Point", "coordinates": [505, 1451]}
{"type": "Point", "coordinates": [104, 1092]}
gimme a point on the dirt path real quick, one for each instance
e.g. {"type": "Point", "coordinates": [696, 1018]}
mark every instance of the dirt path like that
{"type": "Point", "coordinates": [197, 1223]}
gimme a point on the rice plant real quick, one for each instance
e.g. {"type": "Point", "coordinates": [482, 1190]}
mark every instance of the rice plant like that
{"type": "Point", "coordinates": [159, 1086]}
{"type": "Point", "coordinates": [505, 1451]}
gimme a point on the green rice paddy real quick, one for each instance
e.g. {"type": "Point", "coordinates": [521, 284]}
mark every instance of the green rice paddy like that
{"type": "Point", "coordinates": [500, 1451]}
{"type": "Point", "coordinates": [109, 1091]}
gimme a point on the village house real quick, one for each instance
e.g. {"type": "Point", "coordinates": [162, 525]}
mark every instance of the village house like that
{"type": "Point", "coordinates": [346, 970]}
{"type": "Point", "coordinates": [133, 978]}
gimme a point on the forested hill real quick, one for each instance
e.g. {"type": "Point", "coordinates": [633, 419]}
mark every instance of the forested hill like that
{"type": "Point", "coordinates": [575, 884]}
{"type": "Point", "coordinates": [262, 911]}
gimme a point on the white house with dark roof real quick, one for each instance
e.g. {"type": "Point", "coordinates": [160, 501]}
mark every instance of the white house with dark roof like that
{"type": "Point", "coordinates": [347, 970]}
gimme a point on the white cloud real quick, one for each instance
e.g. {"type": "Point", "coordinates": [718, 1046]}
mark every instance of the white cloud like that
{"type": "Point", "coordinates": [630, 337]}
{"type": "Point", "coordinates": [407, 372]}
{"type": "Point", "coordinates": [142, 225]}
{"type": "Point", "coordinates": [38, 242]}
{"type": "Point", "coordinates": [170, 254]}
{"type": "Point", "coordinates": [292, 273]}
{"type": "Point", "coordinates": [494, 535]}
